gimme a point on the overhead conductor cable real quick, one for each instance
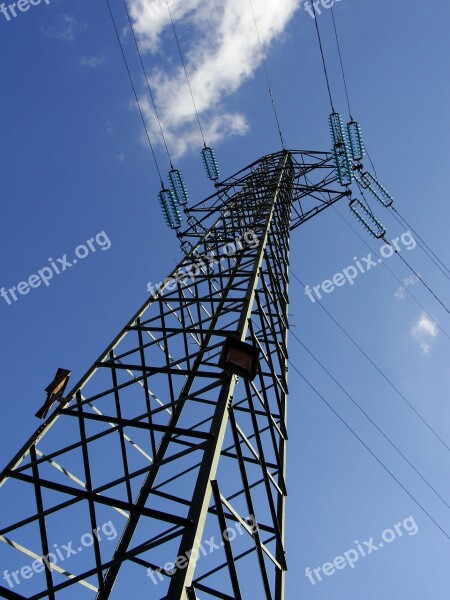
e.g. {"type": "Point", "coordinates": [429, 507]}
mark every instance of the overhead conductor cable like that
{"type": "Point", "coordinates": [376, 367]}
{"type": "Point", "coordinates": [135, 94]}
{"type": "Point", "coordinates": [272, 99]}
{"type": "Point", "coordinates": [369, 418]}
{"type": "Point", "coordinates": [176, 179]}
{"type": "Point", "coordinates": [208, 155]}
{"type": "Point", "coordinates": [344, 422]}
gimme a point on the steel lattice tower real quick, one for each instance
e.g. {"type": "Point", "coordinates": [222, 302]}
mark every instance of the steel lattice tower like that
{"type": "Point", "coordinates": [183, 460]}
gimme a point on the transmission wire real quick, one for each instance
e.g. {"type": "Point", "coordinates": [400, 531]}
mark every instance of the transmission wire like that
{"type": "Point", "coordinates": [283, 145]}
{"type": "Point", "coordinates": [342, 64]}
{"type": "Point", "coordinates": [385, 377]}
{"type": "Point", "coordinates": [368, 417]}
{"type": "Point", "coordinates": [409, 292]}
{"type": "Point", "coordinates": [370, 160]}
{"type": "Point", "coordinates": [135, 93]}
{"type": "Point", "coordinates": [323, 60]}
{"type": "Point", "coordinates": [384, 264]}
{"type": "Point", "coordinates": [360, 349]}
{"type": "Point", "coordinates": [368, 449]}
{"type": "Point", "coordinates": [408, 265]}
{"type": "Point", "coordinates": [373, 166]}
{"type": "Point", "coordinates": [353, 341]}
{"type": "Point", "coordinates": [185, 72]}
{"type": "Point", "coordinates": [422, 243]}
{"type": "Point", "coordinates": [345, 81]}
{"type": "Point", "coordinates": [148, 83]}
{"type": "Point", "coordinates": [420, 279]}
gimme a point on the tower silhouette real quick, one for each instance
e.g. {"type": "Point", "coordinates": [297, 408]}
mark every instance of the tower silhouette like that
{"type": "Point", "coordinates": [164, 468]}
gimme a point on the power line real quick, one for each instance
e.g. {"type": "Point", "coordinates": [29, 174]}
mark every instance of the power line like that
{"type": "Point", "coordinates": [323, 59]}
{"type": "Point", "coordinates": [397, 252]}
{"type": "Point", "coordinates": [370, 160]}
{"type": "Point", "coordinates": [135, 93]}
{"type": "Point", "coordinates": [268, 79]}
{"type": "Point", "coordinates": [186, 73]}
{"type": "Point", "coordinates": [368, 449]}
{"type": "Point", "coordinates": [409, 292]}
{"type": "Point", "coordinates": [369, 418]}
{"type": "Point", "coordinates": [386, 266]}
{"type": "Point", "coordinates": [428, 251]}
{"type": "Point", "coordinates": [148, 83]}
{"type": "Point", "coordinates": [385, 377]}
{"type": "Point", "coordinates": [425, 248]}
{"type": "Point", "coordinates": [341, 62]}
{"type": "Point", "coordinates": [345, 81]}
{"type": "Point", "coordinates": [423, 245]}
{"type": "Point", "coordinates": [421, 280]}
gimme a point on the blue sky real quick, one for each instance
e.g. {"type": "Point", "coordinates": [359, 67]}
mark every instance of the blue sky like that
{"type": "Point", "coordinates": [74, 165]}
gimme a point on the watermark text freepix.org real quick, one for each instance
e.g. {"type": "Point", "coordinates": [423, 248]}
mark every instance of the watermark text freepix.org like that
{"type": "Point", "coordinates": [211, 259]}
{"type": "Point", "coordinates": [60, 554]}
{"type": "Point", "coordinates": [362, 550]}
{"type": "Point", "coordinates": [362, 265]}
{"type": "Point", "coordinates": [313, 7]}
{"type": "Point", "coordinates": [203, 549]}
{"type": "Point", "coordinates": [10, 11]}
{"type": "Point", "coordinates": [58, 266]}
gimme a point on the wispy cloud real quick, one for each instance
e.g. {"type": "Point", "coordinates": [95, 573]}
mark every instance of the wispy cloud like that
{"type": "Point", "coordinates": [66, 29]}
{"type": "Point", "coordinates": [407, 282]}
{"type": "Point", "coordinates": [423, 331]}
{"type": "Point", "coordinates": [221, 53]}
{"type": "Point", "coordinates": [92, 62]}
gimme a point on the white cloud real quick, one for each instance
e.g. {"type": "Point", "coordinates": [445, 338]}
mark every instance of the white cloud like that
{"type": "Point", "coordinates": [426, 348]}
{"type": "Point", "coordinates": [423, 331]}
{"type": "Point", "coordinates": [92, 62]}
{"type": "Point", "coordinates": [408, 281]}
{"type": "Point", "coordinates": [222, 53]}
{"type": "Point", "coordinates": [152, 17]}
{"type": "Point", "coordinates": [67, 29]}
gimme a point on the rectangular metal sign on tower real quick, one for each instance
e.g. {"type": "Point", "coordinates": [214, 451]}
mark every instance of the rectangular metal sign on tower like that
{"type": "Point", "coordinates": [161, 442]}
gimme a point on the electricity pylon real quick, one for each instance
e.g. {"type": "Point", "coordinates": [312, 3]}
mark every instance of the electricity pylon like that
{"type": "Point", "coordinates": [162, 473]}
